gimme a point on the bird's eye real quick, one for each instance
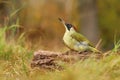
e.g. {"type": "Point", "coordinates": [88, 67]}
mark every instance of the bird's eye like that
{"type": "Point", "coordinates": [69, 26]}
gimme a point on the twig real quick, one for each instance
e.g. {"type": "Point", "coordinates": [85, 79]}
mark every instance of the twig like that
{"type": "Point", "coordinates": [98, 44]}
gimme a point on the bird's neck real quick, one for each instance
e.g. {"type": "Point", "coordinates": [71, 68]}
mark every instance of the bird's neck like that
{"type": "Point", "coordinates": [72, 30]}
{"type": "Point", "coordinates": [68, 33]}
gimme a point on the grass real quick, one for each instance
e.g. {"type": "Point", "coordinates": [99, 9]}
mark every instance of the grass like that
{"type": "Point", "coordinates": [15, 64]}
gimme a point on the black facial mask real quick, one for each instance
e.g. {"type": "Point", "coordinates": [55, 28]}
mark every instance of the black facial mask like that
{"type": "Point", "coordinates": [68, 26]}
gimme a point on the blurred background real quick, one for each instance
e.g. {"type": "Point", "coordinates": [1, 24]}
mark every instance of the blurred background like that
{"type": "Point", "coordinates": [38, 19]}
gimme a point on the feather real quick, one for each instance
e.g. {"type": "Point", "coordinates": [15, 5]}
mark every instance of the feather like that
{"type": "Point", "coordinates": [80, 38]}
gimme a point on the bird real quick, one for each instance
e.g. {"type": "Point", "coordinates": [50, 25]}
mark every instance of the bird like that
{"type": "Point", "coordinates": [76, 41]}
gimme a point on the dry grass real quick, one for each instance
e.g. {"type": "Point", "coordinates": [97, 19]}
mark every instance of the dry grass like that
{"type": "Point", "coordinates": [15, 62]}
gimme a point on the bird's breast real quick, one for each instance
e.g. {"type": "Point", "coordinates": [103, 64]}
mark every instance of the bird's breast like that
{"type": "Point", "coordinates": [69, 41]}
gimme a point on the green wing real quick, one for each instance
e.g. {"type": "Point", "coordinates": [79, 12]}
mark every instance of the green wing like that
{"type": "Point", "coordinates": [80, 38]}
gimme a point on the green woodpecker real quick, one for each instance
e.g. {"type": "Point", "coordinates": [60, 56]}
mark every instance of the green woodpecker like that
{"type": "Point", "coordinates": [75, 40]}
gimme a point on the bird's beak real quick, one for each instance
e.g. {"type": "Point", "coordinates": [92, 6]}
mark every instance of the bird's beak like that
{"type": "Point", "coordinates": [66, 25]}
{"type": "Point", "coordinates": [62, 21]}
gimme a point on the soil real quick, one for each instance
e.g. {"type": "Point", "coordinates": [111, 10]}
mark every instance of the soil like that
{"type": "Point", "coordinates": [51, 60]}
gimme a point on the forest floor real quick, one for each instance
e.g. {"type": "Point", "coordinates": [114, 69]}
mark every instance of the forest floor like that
{"type": "Point", "coordinates": [20, 63]}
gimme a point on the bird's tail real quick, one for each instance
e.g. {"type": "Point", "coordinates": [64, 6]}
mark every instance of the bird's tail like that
{"type": "Point", "coordinates": [94, 50]}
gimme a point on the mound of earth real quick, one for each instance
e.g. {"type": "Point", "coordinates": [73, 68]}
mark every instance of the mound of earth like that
{"type": "Point", "coordinates": [51, 60]}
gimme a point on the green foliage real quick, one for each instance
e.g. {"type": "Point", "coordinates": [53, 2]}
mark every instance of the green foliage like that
{"type": "Point", "coordinates": [3, 46]}
{"type": "Point", "coordinates": [116, 46]}
{"type": "Point", "coordinates": [14, 56]}
{"type": "Point", "coordinates": [7, 50]}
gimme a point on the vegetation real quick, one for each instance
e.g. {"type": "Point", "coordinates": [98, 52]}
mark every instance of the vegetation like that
{"type": "Point", "coordinates": [39, 19]}
{"type": "Point", "coordinates": [39, 29]}
{"type": "Point", "coordinates": [15, 64]}
{"type": "Point", "coordinates": [13, 57]}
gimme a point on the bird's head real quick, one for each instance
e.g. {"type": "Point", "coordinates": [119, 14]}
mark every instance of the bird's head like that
{"type": "Point", "coordinates": [67, 26]}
